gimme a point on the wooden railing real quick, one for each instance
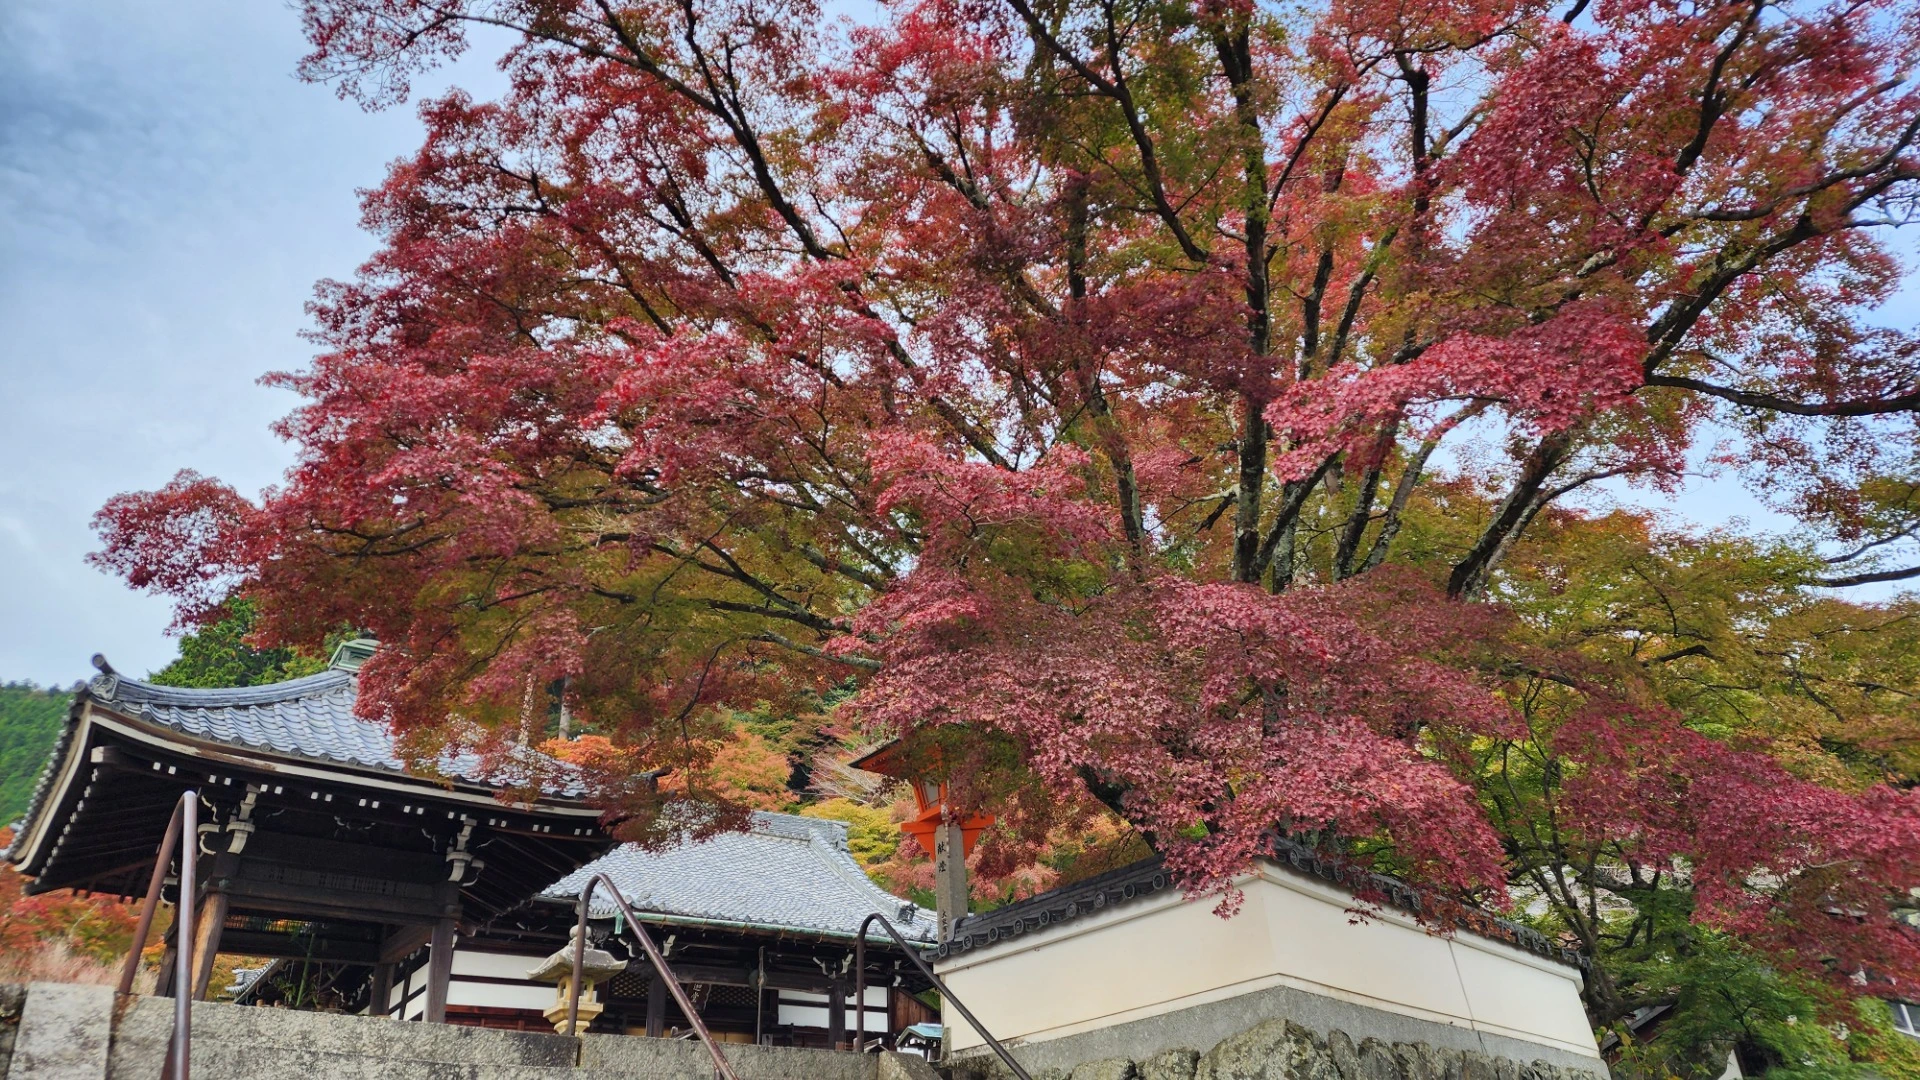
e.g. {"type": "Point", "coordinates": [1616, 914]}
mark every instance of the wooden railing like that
{"type": "Point", "coordinates": [183, 831]}
{"type": "Point", "coordinates": [653, 956]}
{"type": "Point", "coordinates": [946, 995]}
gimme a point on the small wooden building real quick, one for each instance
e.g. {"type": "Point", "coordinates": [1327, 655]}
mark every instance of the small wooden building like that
{"type": "Point", "coordinates": [317, 843]}
{"type": "Point", "coordinates": [758, 926]}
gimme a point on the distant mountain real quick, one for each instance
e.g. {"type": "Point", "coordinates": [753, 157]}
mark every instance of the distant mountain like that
{"type": "Point", "coordinates": [29, 722]}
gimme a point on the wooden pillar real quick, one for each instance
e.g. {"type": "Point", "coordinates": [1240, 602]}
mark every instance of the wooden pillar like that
{"type": "Point", "coordinates": [656, 1007]}
{"type": "Point", "coordinates": [837, 1014]}
{"type": "Point", "coordinates": [212, 919]}
{"type": "Point", "coordinates": [163, 981]}
{"type": "Point", "coordinates": [949, 878]}
{"type": "Point", "coordinates": [439, 970]}
{"type": "Point", "coordinates": [379, 995]}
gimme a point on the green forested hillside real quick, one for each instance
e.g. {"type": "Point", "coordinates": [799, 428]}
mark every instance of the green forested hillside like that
{"type": "Point", "coordinates": [29, 721]}
{"type": "Point", "coordinates": [215, 655]}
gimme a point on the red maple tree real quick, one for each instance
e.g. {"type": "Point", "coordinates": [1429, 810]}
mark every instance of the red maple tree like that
{"type": "Point", "coordinates": [1064, 372]}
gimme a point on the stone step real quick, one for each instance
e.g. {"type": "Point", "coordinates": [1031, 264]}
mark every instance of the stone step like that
{"type": "Point", "coordinates": [147, 1023]}
{"type": "Point", "coordinates": [233, 1061]}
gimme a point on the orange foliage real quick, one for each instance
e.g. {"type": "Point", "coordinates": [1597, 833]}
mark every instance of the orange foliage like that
{"type": "Point", "coordinates": [63, 935]}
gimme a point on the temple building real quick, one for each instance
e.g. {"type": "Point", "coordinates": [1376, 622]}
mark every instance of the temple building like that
{"type": "Point", "coordinates": [429, 897]}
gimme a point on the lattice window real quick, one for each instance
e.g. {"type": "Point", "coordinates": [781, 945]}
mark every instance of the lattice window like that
{"type": "Point", "coordinates": [739, 997]}
{"type": "Point", "coordinates": [631, 983]}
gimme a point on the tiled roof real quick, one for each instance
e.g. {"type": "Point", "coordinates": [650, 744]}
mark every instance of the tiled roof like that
{"type": "Point", "coordinates": [1150, 876]}
{"type": "Point", "coordinates": [786, 872]}
{"type": "Point", "coordinates": [309, 718]}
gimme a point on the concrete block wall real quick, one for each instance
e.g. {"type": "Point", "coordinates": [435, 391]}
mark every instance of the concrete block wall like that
{"type": "Point", "coordinates": [671, 1059]}
{"type": "Point", "coordinates": [51, 1031]}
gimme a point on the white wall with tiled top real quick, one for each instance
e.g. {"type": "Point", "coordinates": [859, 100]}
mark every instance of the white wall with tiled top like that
{"type": "Point", "coordinates": [1162, 953]}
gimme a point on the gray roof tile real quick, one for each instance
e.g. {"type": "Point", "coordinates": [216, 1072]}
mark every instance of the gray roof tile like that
{"type": "Point", "coordinates": [786, 872]}
{"type": "Point", "coordinates": [308, 718]}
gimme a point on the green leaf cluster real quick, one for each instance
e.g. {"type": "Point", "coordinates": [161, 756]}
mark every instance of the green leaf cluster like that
{"type": "Point", "coordinates": [218, 655]}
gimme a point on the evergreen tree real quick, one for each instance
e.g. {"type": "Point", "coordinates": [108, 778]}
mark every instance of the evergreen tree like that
{"type": "Point", "coordinates": [218, 655]}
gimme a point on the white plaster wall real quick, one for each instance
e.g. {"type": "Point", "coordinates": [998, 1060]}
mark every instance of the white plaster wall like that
{"type": "Point", "coordinates": [535, 996]}
{"type": "Point", "coordinates": [493, 965]}
{"type": "Point", "coordinates": [1160, 954]}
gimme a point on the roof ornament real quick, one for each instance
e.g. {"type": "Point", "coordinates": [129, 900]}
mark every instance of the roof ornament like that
{"type": "Point", "coordinates": [108, 680]}
{"type": "Point", "coordinates": [349, 655]}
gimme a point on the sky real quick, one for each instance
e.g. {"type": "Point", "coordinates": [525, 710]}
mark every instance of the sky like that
{"type": "Point", "coordinates": [169, 195]}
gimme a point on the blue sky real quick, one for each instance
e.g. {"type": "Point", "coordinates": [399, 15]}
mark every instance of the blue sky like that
{"type": "Point", "coordinates": [169, 194]}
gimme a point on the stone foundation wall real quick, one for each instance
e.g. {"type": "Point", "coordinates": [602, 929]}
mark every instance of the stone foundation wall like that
{"type": "Point", "coordinates": [1285, 1050]}
{"type": "Point", "coordinates": [1215, 1023]}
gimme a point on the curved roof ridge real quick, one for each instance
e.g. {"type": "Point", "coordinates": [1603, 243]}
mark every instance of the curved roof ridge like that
{"type": "Point", "coordinates": [1150, 875]}
{"type": "Point", "coordinates": [119, 688]}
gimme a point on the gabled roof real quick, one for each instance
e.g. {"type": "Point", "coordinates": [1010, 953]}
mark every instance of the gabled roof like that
{"type": "Point", "coordinates": [786, 873]}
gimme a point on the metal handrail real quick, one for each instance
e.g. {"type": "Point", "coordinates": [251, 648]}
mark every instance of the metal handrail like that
{"type": "Point", "coordinates": [946, 995]}
{"type": "Point", "coordinates": [653, 955]}
{"type": "Point", "coordinates": [184, 823]}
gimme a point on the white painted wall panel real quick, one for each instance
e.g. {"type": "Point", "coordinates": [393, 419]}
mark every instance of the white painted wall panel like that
{"type": "Point", "coordinates": [1161, 953]}
{"type": "Point", "coordinates": [493, 965]}
{"type": "Point", "coordinates": [498, 996]}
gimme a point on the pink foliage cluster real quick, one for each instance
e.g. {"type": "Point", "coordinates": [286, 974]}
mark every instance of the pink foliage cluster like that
{"type": "Point", "coordinates": [1800, 868]}
{"type": "Point", "coordinates": [732, 353]}
{"type": "Point", "coordinates": [1221, 709]}
{"type": "Point", "coordinates": [1549, 376]}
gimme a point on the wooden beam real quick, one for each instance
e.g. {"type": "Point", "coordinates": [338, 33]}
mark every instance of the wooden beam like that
{"type": "Point", "coordinates": [837, 1016]}
{"type": "Point", "coordinates": [439, 970]}
{"type": "Point", "coordinates": [285, 947]}
{"type": "Point", "coordinates": [404, 942]}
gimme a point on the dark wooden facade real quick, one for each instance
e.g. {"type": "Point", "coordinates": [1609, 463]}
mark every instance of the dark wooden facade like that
{"type": "Point", "coordinates": [776, 987]}
{"type": "Point", "coordinates": [315, 845]}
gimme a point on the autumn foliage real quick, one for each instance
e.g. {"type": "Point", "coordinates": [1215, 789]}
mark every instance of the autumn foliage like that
{"type": "Point", "coordinates": [1154, 400]}
{"type": "Point", "coordinates": [62, 936]}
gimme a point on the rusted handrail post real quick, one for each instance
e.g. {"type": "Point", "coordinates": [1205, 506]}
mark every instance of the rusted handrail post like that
{"type": "Point", "coordinates": [946, 995]}
{"type": "Point", "coordinates": [653, 955]}
{"type": "Point", "coordinates": [185, 823]}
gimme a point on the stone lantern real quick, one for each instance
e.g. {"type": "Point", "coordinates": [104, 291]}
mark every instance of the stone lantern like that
{"type": "Point", "coordinates": [596, 967]}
